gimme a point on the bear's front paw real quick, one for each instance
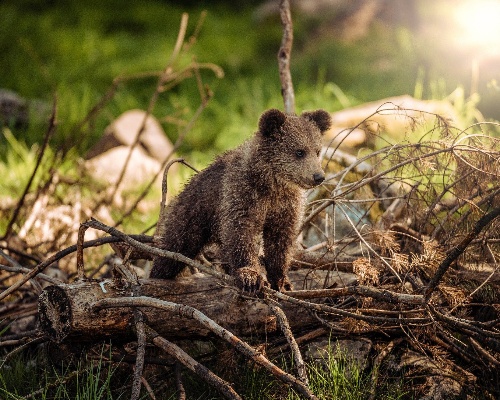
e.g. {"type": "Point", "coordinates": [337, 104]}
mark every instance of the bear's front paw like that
{"type": "Point", "coordinates": [286, 285]}
{"type": "Point", "coordinates": [249, 280]}
{"type": "Point", "coordinates": [282, 284]}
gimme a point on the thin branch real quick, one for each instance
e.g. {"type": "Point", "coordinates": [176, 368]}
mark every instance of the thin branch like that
{"type": "Point", "coordinates": [63, 253]}
{"type": "Point", "coordinates": [36, 340]}
{"type": "Point", "coordinates": [154, 99]}
{"type": "Point", "coordinates": [459, 249]}
{"type": "Point", "coordinates": [203, 372]}
{"type": "Point", "coordinates": [164, 186]}
{"type": "Point", "coordinates": [93, 223]}
{"type": "Point", "coordinates": [24, 270]}
{"type": "Point", "coordinates": [140, 353]}
{"type": "Point", "coordinates": [484, 354]}
{"type": "Point", "coordinates": [80, 267]}
{"type": "Point", "coordinates": [337, 311]}
{"type": "Point", "coordinates": [179, 42]}
{"type": "Point", "coordinates": [48, 134]}
{"type": "Point", "coordinates": [371, 177]}
{"type": "Point", "coordinates": [366, 291]}
{"type": "Point", "coordinates": [465, 325]}
{"type": "Point", "coordinates": [376, 366]}
{"type": "Point", "coordinates": [284, 57]}
{"type": "Point", "coordinates": [285, 328]}
{"type": "Point", "coordinates": [394, 272]}
{"type": "Point", "coordinates": [181, 392]}
{"type": "Point", "coordinates": [190, 312]}
{"type": "Point", "coordinates": [148, 389]}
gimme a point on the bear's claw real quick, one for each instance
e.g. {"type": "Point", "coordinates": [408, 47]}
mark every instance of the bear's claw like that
{"type": "Point", "coordinates": [250, 280]}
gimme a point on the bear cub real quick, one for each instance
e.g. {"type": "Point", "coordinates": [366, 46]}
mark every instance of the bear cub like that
{"type": "Point", "coordinates": [248, 197]}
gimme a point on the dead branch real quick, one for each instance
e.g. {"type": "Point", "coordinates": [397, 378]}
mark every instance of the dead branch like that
{"type": "Point", "coordinates": [154, 98]}
{"type": "Point", "coordinates": [284, 57]}
{"type": "Point", "coordinates": [491, 338]}
{"type": "Point", "coordinates": [376, 366]}
{"type": "Point", "coordinates": [361, 290]}
{"type": "Point", "coordinates": [164, 185]}
{"type": "Point", "coordinates": [238, 344]}
{"type": "Point", "coordinates": [93, 223]}
{"type": "Point", "coordinates": [140, 328]}
{"type": "Point", "coordinates": [487, 356]}
{"type": "Point", "coordinates": [181, 392]}
{"type": "Point", "coordinates": [61, 254]}
{"type": "Point", "coordinates": [459, 249]}
{"type": "Point", "coordinates": [285, 328]}
{"type": "Point", "coordinates": [185, 359]}
{"type": "Point", "coordinates": [338, 311]}
{"type": "Point", "coordinates": [80, 268]}
{"type": "Point", "coordinates": [18, 268]}
{"type": "Point", "coordinates": [48, 135]}
{"type": "Point", "coordinates": [300, 340]}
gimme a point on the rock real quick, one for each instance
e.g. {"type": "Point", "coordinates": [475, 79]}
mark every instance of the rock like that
{"type": "Point", "coordinates": [443, 379]}
{"type": "Point", "coordinates": [17, 112]}
{"type": "Point", "coordinates": [107, 166]}
{"type": "Point", "coordinates": [106, 159]}
{"type": "Point", "coordinates": [394, 116]}
{"type": "Point", "coordinates": [13, 109]}
{"type": "Point", "coordinates": [345, 138]}
{"type": "Point", "coordinates": [442, 388]}
{"type": "Point", "coordinates": [123, 132]}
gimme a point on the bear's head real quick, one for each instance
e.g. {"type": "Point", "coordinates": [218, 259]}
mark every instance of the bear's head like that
{"type": "Point", "coordinates": [291, 145]}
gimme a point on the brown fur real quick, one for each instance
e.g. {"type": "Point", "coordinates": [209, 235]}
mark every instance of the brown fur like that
{"type": "Point", "coordinates": [249, 195]}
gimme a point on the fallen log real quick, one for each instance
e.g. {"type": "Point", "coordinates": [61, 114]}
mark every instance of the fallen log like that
{"type": "Point", "coordinates": [67, 311]}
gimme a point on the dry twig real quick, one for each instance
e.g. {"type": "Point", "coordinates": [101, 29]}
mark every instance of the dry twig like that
{"type": "Point", "coordinates": [459, 249]}
{"type": "Point", "coordinates": [48, 135]}
{"type": "Point", "coordinates": [284, 57]}
{"type": "Point", "coordinates": [285, 328]}
{"type": "Point", "coordinates": [238, 344]}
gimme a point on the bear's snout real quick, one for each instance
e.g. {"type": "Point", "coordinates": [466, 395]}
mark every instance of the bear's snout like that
{"type": "Point", "coordinates": [318, 178]}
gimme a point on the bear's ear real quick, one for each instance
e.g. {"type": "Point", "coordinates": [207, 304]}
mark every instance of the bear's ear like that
{"type": "Point", "coordinates": [321, 118]}
{"type": "Point", "coordinates": [271, 121]}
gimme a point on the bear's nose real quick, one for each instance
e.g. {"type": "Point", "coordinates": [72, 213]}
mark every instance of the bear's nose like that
{"type": "Point", "coordinates": [318, 178]}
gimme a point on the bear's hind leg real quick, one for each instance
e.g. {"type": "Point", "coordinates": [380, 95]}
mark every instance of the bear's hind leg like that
{"type": "Point", "coordinates": [187, 245]}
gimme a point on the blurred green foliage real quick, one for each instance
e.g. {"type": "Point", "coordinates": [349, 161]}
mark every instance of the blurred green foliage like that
{"type": "Point", "coordinates": [75, 49]}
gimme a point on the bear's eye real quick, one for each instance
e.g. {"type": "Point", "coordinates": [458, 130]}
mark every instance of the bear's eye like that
{"type": "Point", "coordinates": [300, 153]}
{"type": "Point", "coordinates": [317, 152]}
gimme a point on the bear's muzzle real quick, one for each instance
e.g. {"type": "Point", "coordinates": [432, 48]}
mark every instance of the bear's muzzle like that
{"type": "Point", "coordinates": [318, 178]}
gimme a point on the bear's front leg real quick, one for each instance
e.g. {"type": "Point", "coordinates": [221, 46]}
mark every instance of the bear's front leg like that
{"type": "Point", "coordinates": [240, 238]}
{"type": "Point", "coordinates": [280, 233]}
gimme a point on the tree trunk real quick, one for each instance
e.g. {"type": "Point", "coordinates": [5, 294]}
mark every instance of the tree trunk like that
{"type": "Point", "coordinates": [67, 311]}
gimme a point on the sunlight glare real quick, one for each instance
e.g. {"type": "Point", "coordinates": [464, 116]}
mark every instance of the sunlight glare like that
{"type": "Point", "coordinates": [480, 23]}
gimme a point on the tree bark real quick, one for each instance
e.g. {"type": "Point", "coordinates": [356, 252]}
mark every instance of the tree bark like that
{"type": "Point", "coordinates": [67, 311]}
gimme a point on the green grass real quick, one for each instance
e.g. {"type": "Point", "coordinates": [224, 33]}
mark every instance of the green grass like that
{"type": "Point", "coordinates": [25, 374]}
{"type": "Point", "coordinates": [336, 377]}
